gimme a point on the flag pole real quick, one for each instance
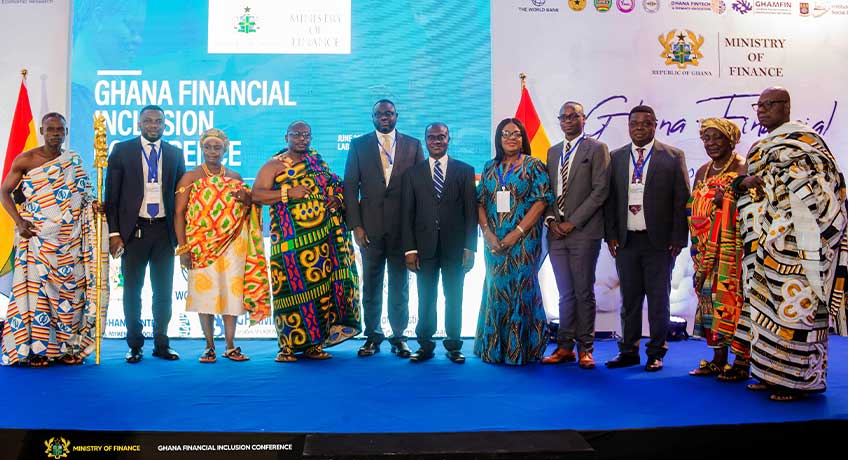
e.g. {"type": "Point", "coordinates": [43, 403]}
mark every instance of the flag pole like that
{"type": "Point", "coordinates": [99, 164]}
{"type": "Point", "coordinates": [522, 80]}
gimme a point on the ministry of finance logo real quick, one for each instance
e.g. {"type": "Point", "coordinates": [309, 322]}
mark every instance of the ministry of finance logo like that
{"type": "Point", "coordinates": [57, 448]}
{"type": "Point", "coordinates": [577, 5]}
{"type": "Point", "coordinates": [247, 22]}
{"type": "Point", "coordinates": [683, 51]}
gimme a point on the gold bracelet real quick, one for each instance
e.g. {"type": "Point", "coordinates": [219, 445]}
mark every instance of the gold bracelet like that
{"type": "Point", "coordinates": [521, 231]}
{"type": "Point", "coordinates": [284, 194]}
{"type": "Point", "coordinates": [180, 250]}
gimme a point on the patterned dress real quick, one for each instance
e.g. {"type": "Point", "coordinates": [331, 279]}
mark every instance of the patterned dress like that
{"type": "Point", "coordinates": [228, 275]}
{"type": "Point", "coordinates": [716, 250]}
{"type": "Point", "coordinates": [314, 278]}
{"type": "Point", "coordinates": [795, 257]}
{"type": "Point", "coordinates": [512, 321]}
{"type": "Point", "coordinates": [52, 308]}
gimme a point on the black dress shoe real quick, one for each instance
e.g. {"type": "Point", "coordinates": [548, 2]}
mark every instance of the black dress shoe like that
{"type": "Point", "coordinates": [456, 356]}
{"type": "Point", "coordinates": [653, 365]}
{"type": "Point", "coordinates": [166, 353]}
{"type": "Point", "coordinates": [421, 355]}
{"type": "Point", "coordinates": [134, 355]}
{"type": "Point", "coordinates": [623, 360]}
{"type": "Point", "coordinates": [401, 350]}
{"type": "Point", "coordinates": [368, 349]}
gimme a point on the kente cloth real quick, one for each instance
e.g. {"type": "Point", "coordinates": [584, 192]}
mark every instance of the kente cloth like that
{"type": "Point", "coordinates": [795, 257]}
{"type": "Point", "coordinates": [315, 284]}
{"type": "Point", "coordinates": [52, 308]}
{"type": "Point", "coordinates": [229, 270]}
{"type": "Point", "coordinates": [511, 321]}
{"type": "Point", "coordinates": [716, 250]}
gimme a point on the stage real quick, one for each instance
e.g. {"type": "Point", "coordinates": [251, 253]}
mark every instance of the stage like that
{"type": "Point", "coordinates": [385, 394]}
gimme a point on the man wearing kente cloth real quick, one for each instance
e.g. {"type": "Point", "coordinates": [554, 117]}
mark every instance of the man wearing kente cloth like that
{"type": "Point", "coordinates": [51, 314]}
{"type": "Point", "coordinates": [315, 285]}
{"type": "Point", "coordinates": [793, 223]}
{"type": "Point", "coordinates": [221, 245]}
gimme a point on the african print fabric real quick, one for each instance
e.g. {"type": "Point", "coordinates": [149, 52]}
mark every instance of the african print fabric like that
{"type": "Point", "coordinates": [716, 250]}
{"type": "Point", "coordinates": [315, 284]}
{"type": "Point", "coordinates": [229, 271]}
{"type": "Point", "coordinates": [511, 320]}
{"type": "Point", "coordinates": [52, 307]}
{"type": "Point", "coordinates": [795, 257]}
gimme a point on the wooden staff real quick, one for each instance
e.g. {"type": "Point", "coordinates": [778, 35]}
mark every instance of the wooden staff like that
{"type": "Point", "coordinates": [99, 165]}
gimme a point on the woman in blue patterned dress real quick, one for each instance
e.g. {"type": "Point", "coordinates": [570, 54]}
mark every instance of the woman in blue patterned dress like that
{"type": "Point", "coordinates": [512, 195]}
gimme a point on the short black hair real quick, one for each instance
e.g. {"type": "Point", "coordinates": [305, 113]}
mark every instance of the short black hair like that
{"type": "Point", "coordinates": [436, 123]}
{"type": "Point", "coordinates": [53, 115]}
{"type": "Point", "coordinates": [575, 105]}
{"type": "Point", "coordinates": [288, 128]}
{"type": "Point", "coordinates": [383, 101]}
{"type": "Point", "coordinates": [151, 107]}
{"type": "Point", "coordinates": [642, 109]}
{"type": "Point", "coordinates": [526, 142]}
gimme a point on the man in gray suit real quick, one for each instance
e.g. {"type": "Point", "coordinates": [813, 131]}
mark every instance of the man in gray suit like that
{"type": "Point", "coordinates": [579, 173]}
{"type": "Point", "coordinates": [372, 191]}
{"type": "Point", "coordinates": [646, 228]}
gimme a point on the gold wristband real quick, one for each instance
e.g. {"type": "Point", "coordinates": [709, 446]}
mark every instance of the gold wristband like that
{"type": "Point", "coordinates": [521, 231]}
{"type": "Point", "coordinates": [284, 194]}
{"type": "Point", "coordinates": [180, 250]}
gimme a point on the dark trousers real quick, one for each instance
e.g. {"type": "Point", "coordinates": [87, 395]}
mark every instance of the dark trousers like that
{"type": "Point", "coordinates": [377, 258]}
{"type": "Point", "coordinates": [153, 249]}
{"type": "Point", "coordinates": [574, 265]}
{"type": "Point", "coordinates": [644, 271]}
{"type": "Point", "coordinates": [427, 279]}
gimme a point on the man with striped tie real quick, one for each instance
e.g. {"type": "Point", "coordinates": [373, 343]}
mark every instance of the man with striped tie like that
{"type": "Point", "coordinates": [579, 173]}
{"type": "Point", "coordinates": [438, 215]}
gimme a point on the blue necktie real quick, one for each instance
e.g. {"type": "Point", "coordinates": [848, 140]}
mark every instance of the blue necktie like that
{"type": "Point", "coordinates": [153, 161]}
{"type": "Point", "coordinates": [438, 180]}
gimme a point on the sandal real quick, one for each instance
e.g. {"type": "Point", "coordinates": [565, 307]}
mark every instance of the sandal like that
{"type": "Point", "coordinates": [786, 396]}
{"type": "Point", "coordinates": [71, 360]}
{"type": "Point", "coordinates": [235, 354]}
{"type": "Point", "coordinates": [38, 361]}
{"type": "Point", "coordinates": [208, 357]}
{"type": "Point", "coordinates": [284, 357]}
{"type": "Point", "coordinates": [317, 353]}
{"type": "Point", "coordinates": [758, 386]}
{"type": "Point", "coordinates": [706, 369]}
{"type": "Point", "coordinates": [734, 374]}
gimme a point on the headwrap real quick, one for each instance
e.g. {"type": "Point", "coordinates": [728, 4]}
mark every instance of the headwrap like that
{"type": "Point", "coordinates": [726, 127]}
{"type": "Point", "coordinates": [216, 133]}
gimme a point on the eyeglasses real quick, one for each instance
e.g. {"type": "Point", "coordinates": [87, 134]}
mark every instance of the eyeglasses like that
{"type": "Point", "coordinates": [300, 134]}
{"type": "Point", "coordinates": [571, 117]}
{"type": "Point", "coordinates": [437, 137]}
{"type": "Point", "coordinates": [766, 105]}
{"type": "Point", "coordinates": [388, 114]}
{"type": "Point", "coordinates": [213, 147]}
{"type": "Point", "coordinates": [511, 134]}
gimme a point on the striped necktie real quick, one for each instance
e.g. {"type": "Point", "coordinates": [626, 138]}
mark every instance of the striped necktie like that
{"type": "Point", "coordinates": [439, 180]}
{"type": "Point", "coordinates": [565, 174]}
{"type": "Point", "coordinates": [635, 208]}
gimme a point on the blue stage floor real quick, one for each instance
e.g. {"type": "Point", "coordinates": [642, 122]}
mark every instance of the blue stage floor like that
{"type": "Point", "coordinates": [383, 393]}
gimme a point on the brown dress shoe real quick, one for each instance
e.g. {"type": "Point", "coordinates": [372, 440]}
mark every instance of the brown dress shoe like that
{"type": "Point", "coordinates": [560, 356]}
{"type": "Point", "coordinates": [585, 360]}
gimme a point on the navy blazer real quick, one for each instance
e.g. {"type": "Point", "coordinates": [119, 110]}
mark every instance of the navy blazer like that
{"type": "Point", "coordinates": [125, 186]}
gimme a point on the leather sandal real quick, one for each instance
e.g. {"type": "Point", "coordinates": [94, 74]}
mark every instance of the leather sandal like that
{"type": "Point", "coordinates": [235, 354]}
{"type": "Point", "coordinates": [208, 357]}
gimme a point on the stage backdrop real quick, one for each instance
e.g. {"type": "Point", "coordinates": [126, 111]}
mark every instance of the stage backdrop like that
{"type": "Point", "coordinates": [252, 67]}
{"type": "Point", "coordinates": [689, 59]}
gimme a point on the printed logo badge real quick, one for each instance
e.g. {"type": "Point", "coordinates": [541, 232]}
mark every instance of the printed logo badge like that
{"type": "Point", "coordinates": [57, 448]}
{"type": "Point", "coordinates": [718, 6]}
{"type": "Point", "coordinates": [602, 5]}
{"type": "Point", "coordinates": [538, 2]}
{"type": "Point", "coordinates": [577, 5]}
{"type": "Point", "coordinates": [651, 6]}
{"type": "Point", "coordinates": [682, 49]}
{"type": "Point", "coordinates": [247, 22]}
{"type": "Point", "coordinates": [819, 8]}
{"type": "Point", "coordinates": [625, 6]}
{"type": "Point", "coordinates": [742, 6]}
{"type": "Point", "coordinates": [804, 9]}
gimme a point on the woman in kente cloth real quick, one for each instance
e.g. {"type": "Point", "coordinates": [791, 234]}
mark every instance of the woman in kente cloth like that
{"type": "Point", "coordinates": [315, 285]}
{"type": "Point", "coordinates": [717, 250]}
{"type": "Point", "coordinates": [221, 245]}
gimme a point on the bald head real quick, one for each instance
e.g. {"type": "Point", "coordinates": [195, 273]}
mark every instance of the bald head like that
{"type": "Point", "coordinates": [774, 107]}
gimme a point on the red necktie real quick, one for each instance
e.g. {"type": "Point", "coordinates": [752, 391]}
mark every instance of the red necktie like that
{"type": "Point", "coordinates": [635, 208]}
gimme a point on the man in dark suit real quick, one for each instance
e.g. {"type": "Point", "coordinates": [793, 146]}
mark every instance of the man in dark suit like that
{"type": "Point", "coordinates": [646, 228]}
{"type": "Point", "coordinates": [372, 191]}
{"type": "Point", "coordinates": [438, 218]}
{"type": "Point", "coordinates": [140, 184]}
{"type": "Point", "coordinates": [579, 172]}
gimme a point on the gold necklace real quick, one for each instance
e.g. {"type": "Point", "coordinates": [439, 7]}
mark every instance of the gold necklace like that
{"type": "Point", "coordinates": [209, 173]}
{"type": "Point", "coordinates": [721, 170]}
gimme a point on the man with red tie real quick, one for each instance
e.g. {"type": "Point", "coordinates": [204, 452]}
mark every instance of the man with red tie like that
{"type": "Point", "coordinates": [645, 228]}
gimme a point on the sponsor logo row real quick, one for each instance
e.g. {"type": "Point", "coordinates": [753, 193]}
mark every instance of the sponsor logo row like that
{"type": "Point", "coordinates": [815, 8]}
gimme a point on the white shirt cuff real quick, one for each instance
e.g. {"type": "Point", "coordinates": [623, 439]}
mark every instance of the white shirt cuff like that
{"type": "Point", "coordinates": [411, 252]}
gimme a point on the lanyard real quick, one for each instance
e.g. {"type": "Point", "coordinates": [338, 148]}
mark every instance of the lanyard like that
{"type": "Point", "coordinates": [392, 147]}
{"type": "Point", "coordinates": [152, 160]}
{"type": "Point", "coordinates": [638, 174]}
{"type": "Point", "coordinates": [565, 157]}
{"type": "Point", "coordinates": [503, 180]}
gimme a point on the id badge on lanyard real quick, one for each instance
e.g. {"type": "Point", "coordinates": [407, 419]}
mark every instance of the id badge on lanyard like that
{"type": "Point", "coordinates": [503, 196]}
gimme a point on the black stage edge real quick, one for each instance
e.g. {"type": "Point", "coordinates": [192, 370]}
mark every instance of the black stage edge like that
{"type": "Point", "coordinates": [815, 439]}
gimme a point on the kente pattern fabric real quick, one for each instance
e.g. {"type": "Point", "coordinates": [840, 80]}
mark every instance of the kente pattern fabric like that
{"type": "Point", "coordinates": [229, 270]}
{"type": "Point", "coordinates": [512, 321]}
{"type": "Point", "coordinates": [51, 311]}
{"type": "Point", "coordinates": [315, 284]}
{"type": "Point", "coordinates": [795, 257]}
{"type": "Point", "coordinates": [716, 250]}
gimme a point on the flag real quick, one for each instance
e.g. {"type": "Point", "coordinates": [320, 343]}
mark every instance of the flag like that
{"type": "Point", "coordinates": [22, 137]}
{"type": "Point", "coordinates": [527, 114]}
